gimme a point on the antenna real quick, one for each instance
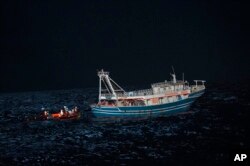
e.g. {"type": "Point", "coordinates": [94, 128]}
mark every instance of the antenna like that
{"type": "Point", "coordinates": [173, 75]}
{"type": "Point", "coordinates": [183, 76]}
{"type": "Point", "coordinates": [173, 69]}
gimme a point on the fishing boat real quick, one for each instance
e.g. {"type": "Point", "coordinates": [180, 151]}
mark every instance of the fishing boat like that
{"type": "Point", "coordinates": [163, 98]}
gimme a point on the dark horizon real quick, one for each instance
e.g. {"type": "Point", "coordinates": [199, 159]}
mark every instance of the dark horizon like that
{"type": "Point", "coordinates": [60, 45]}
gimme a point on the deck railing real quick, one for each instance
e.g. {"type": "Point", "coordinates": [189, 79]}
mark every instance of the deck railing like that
{"type": "Point", "coordinates": [146, 92]}
{"type": "Point", "coordinates": [130, 94]}
{"type": "Point", "coordinates": [195, 88]}
{"type": "Point", "coordinates": [143, 92]}
{"type": "Point", "coordinates": [166, 83]}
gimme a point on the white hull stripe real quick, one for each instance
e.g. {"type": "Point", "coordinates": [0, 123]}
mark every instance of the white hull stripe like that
{"type": "Point", "coordinates": [136, 111]}
{"type": "Point", "coordinates": [147, 112]}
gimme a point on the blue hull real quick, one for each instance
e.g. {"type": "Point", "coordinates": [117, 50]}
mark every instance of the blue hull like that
{"type": "Point", "coordinates": [147, 111]}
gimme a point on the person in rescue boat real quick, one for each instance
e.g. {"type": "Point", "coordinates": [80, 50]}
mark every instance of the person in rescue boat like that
{"type": "Point", "coordinates": [61, 112]}
{"type": "Point", "coordinates": [70, 112]}
{"type": "Point", "coordinates": [65, 110]}
{"type": "Point", "coordinates": [76, 109]}
{"type": "Point", "coordinates": [45, 114]}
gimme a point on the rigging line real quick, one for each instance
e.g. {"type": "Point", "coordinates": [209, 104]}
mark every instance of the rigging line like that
{"type": "Point", "coordinates": [117, 85]}
{"type": "Point", "coordinates": [173, 69]}
{"type": "Point", "coordinates": [107, 79]}
{"type": "Point", "coordinates": [106, 86]}
{"type": "Point", "coordinates": [118, 108]}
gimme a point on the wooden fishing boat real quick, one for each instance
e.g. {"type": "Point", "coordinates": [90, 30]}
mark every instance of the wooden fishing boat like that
{"type": "Point", "coordinates": [163, 98]}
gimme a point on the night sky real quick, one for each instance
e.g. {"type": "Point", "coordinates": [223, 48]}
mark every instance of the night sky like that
{"type": "Point", "coordinates": [60, 45]}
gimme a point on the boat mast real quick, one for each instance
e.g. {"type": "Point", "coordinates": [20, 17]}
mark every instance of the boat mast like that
{"type": "Point", "coordinates": [173, 75]}
{"type": "Point", "coordinates": [111, 86]}
{"type": "Point", "coordinates": [100, 87]}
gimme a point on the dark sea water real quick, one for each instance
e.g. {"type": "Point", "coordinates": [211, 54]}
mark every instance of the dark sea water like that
{"type": "Point", "coordinates": [217, 123]}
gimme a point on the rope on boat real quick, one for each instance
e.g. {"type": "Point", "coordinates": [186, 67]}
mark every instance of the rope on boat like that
{"type": "Point", "coordinates": [118, 108]}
